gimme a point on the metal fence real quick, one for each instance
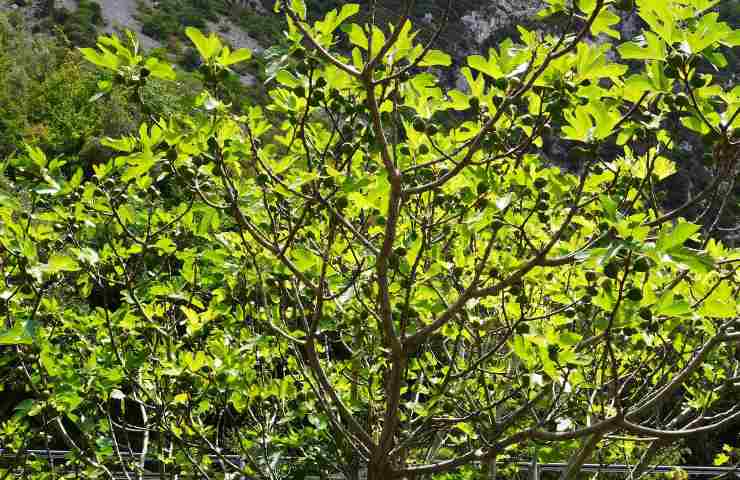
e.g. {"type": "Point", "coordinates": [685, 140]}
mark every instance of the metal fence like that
{"type": "Point", "coordinates": [620, 470]}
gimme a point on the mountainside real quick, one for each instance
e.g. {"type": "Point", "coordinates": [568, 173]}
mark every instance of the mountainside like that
{"type": "Point", "coordinates": [469, 26]}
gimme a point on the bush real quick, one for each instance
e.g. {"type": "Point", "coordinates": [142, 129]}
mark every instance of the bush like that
{"type": "Point", "coordinates": [80, 25]}
{"type": "Point", "coordinates": [172, 16]}
{"type": "Point", "coordinates": [45, 92]}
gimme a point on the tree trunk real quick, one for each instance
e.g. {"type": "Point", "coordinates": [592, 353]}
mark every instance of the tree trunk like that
{"type": "Point", "coordinates": [378, 471]}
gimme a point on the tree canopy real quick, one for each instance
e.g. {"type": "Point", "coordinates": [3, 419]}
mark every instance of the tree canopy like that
{"type": "Point", "coordinates": [374, 270]}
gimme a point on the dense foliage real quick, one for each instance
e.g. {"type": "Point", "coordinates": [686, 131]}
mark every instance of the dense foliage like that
{"type": "Point", "coordinates": [373, 271]}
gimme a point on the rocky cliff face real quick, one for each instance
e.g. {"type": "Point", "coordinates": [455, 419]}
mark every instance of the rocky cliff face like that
{"type": "Point", "coordinates": [492, 16]}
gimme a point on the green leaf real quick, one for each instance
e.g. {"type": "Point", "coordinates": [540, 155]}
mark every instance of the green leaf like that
{"type": "Point", "coordinates": [669, 239]}
{"type": "Point", "coordinates": [159, 69]}
{"type": "Point", "coordinates": [466, 428]}
{"type": "Point", "coordinates": [663, 168]}
{"type": "Point", "coordinates": [489, 67]}
{"type": "Point", "coordinates": [603, 23]}
{"type": "Point", "coordinates": [208, 47]}
{"type": "Point", "coordinates": [668, 306]}
{"type": "Point", "coordinates": [124, 144]}
{"type": "Point", "coordinates": [587, 6]}
{"type": "Point", "coordinates": [37, 156]}
{"type": "Point", "coordinates": [334, 19]}
{"type": "Point", "coordinates": [286, 78]}
{"type": "Point", "coordinates": [721, 303]}
{"type": "Point", "coordinates": [708, 31]}
{"type": "Point", "coordinates": [721, 459]}
{"type": "Point", "coordinates": [651, 48]}
{"type": "Point", "coordinates": [356, 35]}
{"type": "Point", "coordinates": [126, 213]}
{"type": "Point", "coordinates": [140, 164]}
{"type": "Point", "coordinates": [105, 58]}
{"type": "Point", "coordinates": [580, 126]}
{"type": "Point", "coordinates": [303, 259]}
{"type": "Point", "coordinates": [299, 7]}
{"type": "Point", "coordinates": [436, 58]}
{"type": "Point", "coordinates": [610, 207]}
{"type": "Point", "coordinates": [698, 262]}
{"type": "Point", "coordinates": [237, 56]}
{"type": "Point", "coordinates": [22, 333]}
{"type": "Point", "coordinates": [718, 308]}
{"type": "Point", "coordinates": [24, 408]}
{"type": "Point", "coordinates": [166, 245]}
{"type": "Point", "coordinates": [61, 263]}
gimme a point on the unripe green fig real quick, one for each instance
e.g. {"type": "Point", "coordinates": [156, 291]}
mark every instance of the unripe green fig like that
{"type": "Point", "coordinates": [299, 54]}
{"type": "Point", "coordinates": [682, 100]}
{"type": "Point", "coordinates": [670, 71]}
{"type": "Point", "coordinates": [642, 265]}
{"type": "Point", "coordinates": [634, 294]}
{"type": "Point", "coordinates": [501, 83]}
{"type": "Point", "coordinates": [611, 270]}
{"type": "Point", "coordinates": [347, 148]}
{"type": "Point", "coordinates": [676, 60]}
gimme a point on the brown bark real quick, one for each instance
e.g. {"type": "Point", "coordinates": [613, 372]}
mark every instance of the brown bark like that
{"type": "Point", "coordinates": [379, 471]}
